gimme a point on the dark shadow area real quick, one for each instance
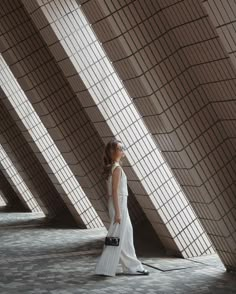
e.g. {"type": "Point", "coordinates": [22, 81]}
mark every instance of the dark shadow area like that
{"type": "Point", "coordinates": [146, 241]}
{"type": "Point", "coordinates": [64, 220]}
{"type": "Point", "coordinates": [18, 217]}
{"type": "Point", "coordinates": [16, 208]}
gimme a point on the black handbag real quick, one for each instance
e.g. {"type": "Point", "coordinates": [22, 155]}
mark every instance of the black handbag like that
{"type": "Point", "coordinates": [112, 241]}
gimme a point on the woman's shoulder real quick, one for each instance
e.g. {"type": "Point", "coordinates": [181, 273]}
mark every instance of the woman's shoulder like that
{"type": "Point", "coordinates": [114, 165]}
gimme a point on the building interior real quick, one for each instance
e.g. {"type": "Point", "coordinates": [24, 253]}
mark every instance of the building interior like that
{"type": "Point", "coordinates": [160, 77]}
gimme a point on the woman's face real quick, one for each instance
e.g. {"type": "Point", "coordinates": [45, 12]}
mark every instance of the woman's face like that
{"type": "Point", "coordinates": [120, 150]}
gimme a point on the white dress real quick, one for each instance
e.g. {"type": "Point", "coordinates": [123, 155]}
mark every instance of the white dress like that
{"type": "Point", "coordinates": [125, 252]}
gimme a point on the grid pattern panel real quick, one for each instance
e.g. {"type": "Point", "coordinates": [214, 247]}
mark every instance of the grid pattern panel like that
{"type": "Point", "coordinates": [41, 80]}
{"type": "Point", "coordinates": [111, 102]}
{"type": "Point", "coordinates": [47, 148]}
{"type": "Point", "coordinates": [19, 184]}
{"type": "Point", "coordinates": [223, 16]}
{"type": "Point", "coordinates": [60, 111]}
{"type": "Point", "coordinates": [10, 194]}
{"type": "Point", "coordinates": [170, 59]}
{"type": "Point", "coordinates": [222, 92]}
{"type": "Point", "coordinates": [216, 167]}
{"type": "Point", "coordinates": [27, 165]}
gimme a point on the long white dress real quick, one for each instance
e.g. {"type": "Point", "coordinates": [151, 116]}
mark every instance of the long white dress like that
{"type": "Point", "coordinates": [125, 252]}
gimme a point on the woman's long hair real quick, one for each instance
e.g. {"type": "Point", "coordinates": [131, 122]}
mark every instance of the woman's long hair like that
{"type": "Point", "coordinates": [110, 147]}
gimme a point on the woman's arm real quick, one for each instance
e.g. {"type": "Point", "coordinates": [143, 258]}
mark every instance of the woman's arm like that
{"type": "Point", "coordinates": [116, 175]}
{"type": "Point", "coordinates": [107, 191]}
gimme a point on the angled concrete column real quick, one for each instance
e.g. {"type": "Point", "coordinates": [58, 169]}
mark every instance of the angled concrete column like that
{"type": "Point", "coordinates": [171, 61]}
{"type": "Point", "coordinates": [11, 196]}
{"type": "Point", "coordinates": [27, 165]}
{"type": "Point", "coordinates": [73, 140]}
{"type": "Point", "coordinates": [222, 91]}
{"type": "Point", "coordinates": [98, 88]}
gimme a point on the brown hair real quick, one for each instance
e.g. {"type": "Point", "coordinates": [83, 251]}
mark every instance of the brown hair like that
{"type": "Point", "coordinates": [107, 157]}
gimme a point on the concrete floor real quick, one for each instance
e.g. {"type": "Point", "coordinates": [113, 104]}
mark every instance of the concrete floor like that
{"type": "Point", "coordinates": [37, 258]}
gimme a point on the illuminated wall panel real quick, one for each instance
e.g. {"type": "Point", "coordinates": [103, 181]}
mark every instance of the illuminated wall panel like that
{"type": "Point", "coordinates": [173, 63]}
{"type": "Point", "coordinates": [107, 103]}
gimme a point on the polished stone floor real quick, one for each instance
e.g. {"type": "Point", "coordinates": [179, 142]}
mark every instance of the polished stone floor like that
{"type": "Point", "coordinates": [37, 258]}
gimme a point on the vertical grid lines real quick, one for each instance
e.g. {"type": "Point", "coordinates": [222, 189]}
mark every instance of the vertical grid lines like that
{"type": "Point", "coordinates": [111, 102]}
{"type": "Point", "coordinates": [170, 59]}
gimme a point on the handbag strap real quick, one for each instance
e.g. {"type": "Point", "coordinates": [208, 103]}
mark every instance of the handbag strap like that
{"type": "Point", "coordinates": [117, 225]}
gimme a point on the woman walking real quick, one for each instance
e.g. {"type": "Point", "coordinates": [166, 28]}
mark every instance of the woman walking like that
{"type": "Point", "coordinates": [120, 226]}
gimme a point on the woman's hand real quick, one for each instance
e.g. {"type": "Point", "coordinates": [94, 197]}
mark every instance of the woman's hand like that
{"type": "Point", "coordinates": [117, 218]}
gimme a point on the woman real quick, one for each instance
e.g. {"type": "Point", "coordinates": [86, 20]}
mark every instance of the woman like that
{"type": "Point", "coordinates": [120, 226]}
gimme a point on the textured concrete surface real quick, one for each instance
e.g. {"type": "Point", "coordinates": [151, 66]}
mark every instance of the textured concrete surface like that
{"type": "Point", "coordinates": [36, 258]}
